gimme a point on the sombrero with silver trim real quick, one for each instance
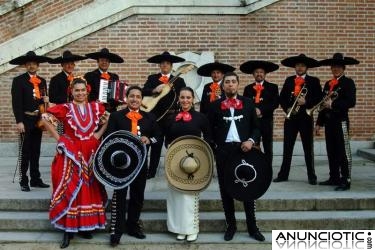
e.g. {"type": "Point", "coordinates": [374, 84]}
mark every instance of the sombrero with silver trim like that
{"type": "Point", "coordinates": [189, 164]}
{"type": "Point", "coordinates": [247, 176]}
{"type": "Point", "coordinates": [119, 159]}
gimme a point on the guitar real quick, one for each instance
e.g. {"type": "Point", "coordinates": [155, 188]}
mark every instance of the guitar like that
{"type": "Point", "coordinates": [150, 102]}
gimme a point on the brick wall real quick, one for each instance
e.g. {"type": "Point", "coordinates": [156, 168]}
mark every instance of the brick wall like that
{"type": "Point", "coordinates": [33, 14]}
{"type": "Point", "coordinates": [316, 28]}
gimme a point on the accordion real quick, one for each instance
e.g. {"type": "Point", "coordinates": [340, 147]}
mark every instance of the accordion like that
{"type": "Point", "coordinates": [110, 91]}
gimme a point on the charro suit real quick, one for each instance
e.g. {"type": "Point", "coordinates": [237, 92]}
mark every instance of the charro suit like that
{"type": "Point", "coordinates": [269, 101]}
{"type": "Point", "coordinates": [23, 100]}
{"type": "Point", "coordinates": [247, 126]}
{"type": "Point", "coordinates": [149, 128]}
{"type": "Point", "coordinates": [336, 122]}
{"type": "Point", "coordinates": [301, 122]}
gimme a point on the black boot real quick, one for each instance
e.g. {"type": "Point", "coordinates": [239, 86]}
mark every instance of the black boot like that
{"type": "Point", "coordinates": [230, 231]}
{"type": "Point", "coordinates": [115, 239]}
{"type": "Point", "coordinates": [66, 240]}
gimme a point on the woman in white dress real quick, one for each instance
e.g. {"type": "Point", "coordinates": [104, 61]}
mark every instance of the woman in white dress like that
{"type": "Point", "coordinates": [183, 208]}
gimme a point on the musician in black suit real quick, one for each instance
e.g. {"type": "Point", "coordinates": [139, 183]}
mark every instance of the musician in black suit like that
{"type": "Point", "coordinates": [335, 118]}
{"type": "Point", "coordinates": [265, 96]}
{"type": "Point", "coordinates": [235, 126]}
{"type": "Point", "coordinates": [104, 58]}
{"type": "Point", "coordinates": [29, 91]}
{"type": "Point", "coordinates": [212, 90]}
{"type": "Point", "coordinates": [58, 86]}
{"type": "Point", "coordinates": [299, 121]}
{"type": "Point", "coordinates": [144, 125]}
{"type": "Point", "coordinates": [167, 105]}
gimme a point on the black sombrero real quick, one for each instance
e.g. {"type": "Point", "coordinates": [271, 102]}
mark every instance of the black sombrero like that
{"type": "Point", "coordinates": [67, 56]}
{"type": "Point", "coordinates": [247, 176]}
{"type": "Point", "coordinates": [29, 57]}
{"type": "Point", "coordinates": [206, 69]}
{"type": "Point", "coordinates": [119, 159]}
{"type": "Point", "coordinates": [165, 56]}
{"type": "Point", "coordinates": [339, 59]}
{"type": "Point", "coordinates": [104, 53]}
{"type": "Point", "coordinates": [249, 66]}
{"type": "Point", "coordinates": [301, 58]}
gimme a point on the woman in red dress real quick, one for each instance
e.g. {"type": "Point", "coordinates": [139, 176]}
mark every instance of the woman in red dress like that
{"type": "Point", "coordinates": [78, 199]}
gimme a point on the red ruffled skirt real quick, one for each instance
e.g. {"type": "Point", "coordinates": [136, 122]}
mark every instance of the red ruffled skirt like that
{"type": "Point", "coordinates": [78, 199]}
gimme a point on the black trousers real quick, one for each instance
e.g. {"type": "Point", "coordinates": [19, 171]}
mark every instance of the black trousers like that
{"type": "Point", "coordinates": [119, 207]}
{"type": "Point", "coordinates": [338, 150]}
{"type": "Point", "coordinates": [302, 124]}
{"type": "Point", "coordinates": [32, 139]}
{"type": "Point", "coordinates": [155, 149]}
{"type": "Point", "coordinates": [266, 131]}
{"type": "Point", "coordinates": [223, 154]}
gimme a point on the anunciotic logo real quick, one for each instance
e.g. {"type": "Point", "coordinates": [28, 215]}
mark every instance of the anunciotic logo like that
{"type": "Point", "coordinates": [322, 239]}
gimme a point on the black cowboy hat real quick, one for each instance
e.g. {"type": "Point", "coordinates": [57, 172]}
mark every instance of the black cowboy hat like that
{"type": "Point", "coordinates": [29, 57]}
{"type": "Point", "coordinates": [67, 56]}
{"type": "Point", "coordinates": [206, 69]}
{"type": "Point", "coordinates": [249, 66]}
{"type": "Point", "coordinates": [165, 56]}
{"type": "Point", "coordinates": [339, 59]}
{"type": "Point", "coordinates": [301, 58]}
{"type": "Point", "coordinates": [248, 176]}
{"type": "Point", "coordinates": [119, 159]}
{"type": "Point", "coordinates": [104, 53]}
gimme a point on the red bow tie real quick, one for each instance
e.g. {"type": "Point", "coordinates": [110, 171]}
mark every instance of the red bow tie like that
{"type": "Point", "coordinates": [332, 84]}
{"type": "Point", "coordinates": [105, 75]}
{"type": "Point", "coordinates": [164, 79]}
{"type": "Point", "coordinates": [231, 103]}
{"type": "Point", "coordinates": [184, 115]}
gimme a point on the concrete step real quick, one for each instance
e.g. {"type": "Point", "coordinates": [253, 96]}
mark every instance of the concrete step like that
{"type": "Point", "coordinates": [156, 241]}
{"type": "Point", "coordinates": [367, 153]}
{"type": "Point", "coordinates": [210, 201]}
{"type": "Point", "coordinates": [214, 221]}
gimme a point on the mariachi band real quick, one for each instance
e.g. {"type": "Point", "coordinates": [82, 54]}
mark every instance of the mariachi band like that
{"type": "Point", "coordinates": [233, 127]}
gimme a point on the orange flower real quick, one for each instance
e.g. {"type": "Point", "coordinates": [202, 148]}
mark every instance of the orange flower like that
{"type": "Point", "coordinates": [258, 88]}
{"type": "Point", "coordinates": [215, 88]}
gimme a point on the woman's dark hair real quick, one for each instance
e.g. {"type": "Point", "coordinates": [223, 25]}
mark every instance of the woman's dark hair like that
{"type": "Point", "coordinates": [131, 88]}
{"type": "Point", "coordinates": [188, 89]}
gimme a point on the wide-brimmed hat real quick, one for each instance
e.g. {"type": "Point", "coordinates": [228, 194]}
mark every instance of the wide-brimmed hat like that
{"type": "Point", "coordinates": [247, 175]}
{"type": "Point", "coordinates": [249, 66]}
{"type": "Point", "coordinates": [119, 159]}
{"type": "Point", "coordinates": [189, 164]}
{"type": "Point", "coordinates": [301, 58]}
{"type": "Point", "coordinates": [206, 69]}
{"type": "Point", "coordinates": [339, 59]}
{"type": "Point", "coordinates": [104, 53]}
{"type": "Point", "coordinates": [165, 56]}
{"type": "Point", "coordinates": [67, 56]}
{"type": "Point", "coordinates": [29, 57]}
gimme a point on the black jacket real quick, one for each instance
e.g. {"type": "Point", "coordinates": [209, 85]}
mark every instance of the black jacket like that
{"type": "Point", "coordinates": [93, 78]}
{"type": "Point", "coordinates": [345, 100]}
{"type": "Point", "coordinates": [147, 124]}
{"type": "Point", "coordinates": [205, 101]}
{"type": "Point", "coordinates": [313, 96]}
{"type": "Point", "coordinates": [58, 88]}
{"type": "Point", "coordinates": [172, 97]}
{"type": "Point", "coordinates": [22, 96]}
{"type": "Point", "coordinates": [269, 98]}
{"type": "Point", "coordinates": [247, 126]}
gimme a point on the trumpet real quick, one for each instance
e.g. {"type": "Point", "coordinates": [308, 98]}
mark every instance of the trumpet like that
{"type": "Point", "coordinates": [332, 95]}
{"type": "Point", "coordinates": [295, 107]}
